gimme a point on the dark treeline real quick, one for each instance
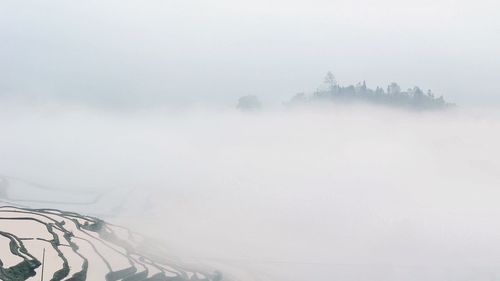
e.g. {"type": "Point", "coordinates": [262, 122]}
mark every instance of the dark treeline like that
{"type": "Point", "coordinates": [413, 98]}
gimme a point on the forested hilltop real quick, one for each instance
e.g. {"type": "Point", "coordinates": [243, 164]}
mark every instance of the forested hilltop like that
{"type": "Point", "coordinates": [330, 91]}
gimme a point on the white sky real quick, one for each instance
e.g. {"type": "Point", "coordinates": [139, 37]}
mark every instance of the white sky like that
{"type": "Point", "coordinates": [171, 52]}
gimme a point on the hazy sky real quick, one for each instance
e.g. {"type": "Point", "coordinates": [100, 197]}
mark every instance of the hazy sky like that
{"type": "Point", "coordinates": [174, 52]}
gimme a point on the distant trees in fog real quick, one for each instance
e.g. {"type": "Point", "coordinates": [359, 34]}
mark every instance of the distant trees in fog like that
{"type": "Point", "coordinates": [249, 103]}
{"type": "Point", "coordinates": [331, 91]}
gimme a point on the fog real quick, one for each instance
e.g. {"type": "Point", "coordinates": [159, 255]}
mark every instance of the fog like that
{"type": "Point", "coordinates": [348, 193]}
{"type": "Point", "coordinates": [125, 110]}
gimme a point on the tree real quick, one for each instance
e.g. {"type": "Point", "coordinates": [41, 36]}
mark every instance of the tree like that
{"type": "Point", "coordinates": [417, 92]}
{"type": "Point", "coordinates": [430, 94]}
{"type": "Point", "coordinates": [413, 98]}
{"type": "Point", "coordinates": [393, 89]}
{"type": "Point", "coordinates": [330, 80]}
{"type": "Point", "coordinates": [249, 103]}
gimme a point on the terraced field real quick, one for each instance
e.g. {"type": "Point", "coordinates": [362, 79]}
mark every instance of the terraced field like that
{"type": "Point", "coordinates": [48, 244]}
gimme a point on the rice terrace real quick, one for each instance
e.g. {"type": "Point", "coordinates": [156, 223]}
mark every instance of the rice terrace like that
{"type": "Point", "coordinates": [79, 247]}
